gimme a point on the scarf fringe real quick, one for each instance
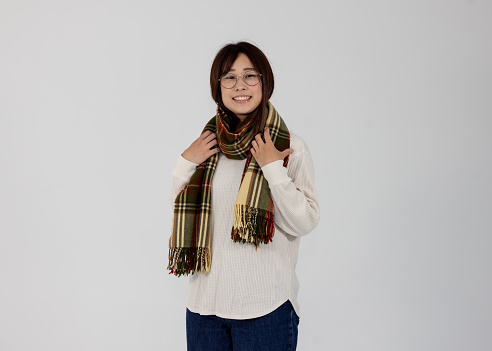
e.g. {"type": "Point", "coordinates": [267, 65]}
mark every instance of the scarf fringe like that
{"type": "Point", "coordinates": [252, 225]}
{"type": "Point", "coordinates": [186, 260]}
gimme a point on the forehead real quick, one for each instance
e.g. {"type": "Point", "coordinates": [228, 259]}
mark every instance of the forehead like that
{"type": "Point", "coordinates": [242, 63]}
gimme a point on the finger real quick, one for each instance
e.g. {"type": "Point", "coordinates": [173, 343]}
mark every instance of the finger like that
{"type": "Point", "coordinates": [287, 152]}
{"type": "Point", "coordinates": [206, 134]}
{"type": "Point", "coordinates": [267, 136]}
{"type": "Point", "coordinates": [212, 143]}
{"type": "Point", "coordinates": [253, 152]}
{"type": "Point", "coordinates": [215, 150]}
{"type": "Point", "coordinates": [258, 138]}
{"type": "Point", "coordinates": [212, 151]}
{"type": "Point", "coordinates": [210, 137]}
{"type": "Point", "coordinates": [254, 144]}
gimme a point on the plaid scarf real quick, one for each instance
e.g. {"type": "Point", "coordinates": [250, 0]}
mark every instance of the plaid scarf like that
{"type": "Point", "coordinates": [189, 245]}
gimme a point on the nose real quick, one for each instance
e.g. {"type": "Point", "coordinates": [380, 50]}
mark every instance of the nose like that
{"type": "Point", "coordinates": [240, 84]}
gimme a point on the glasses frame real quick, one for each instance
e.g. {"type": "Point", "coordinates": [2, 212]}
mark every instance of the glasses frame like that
{"type": "Point", "coordinates": [242, 76]}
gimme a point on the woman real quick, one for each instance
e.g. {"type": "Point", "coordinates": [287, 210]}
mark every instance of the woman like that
{"type": "Point", "coordinates": [243, 194]}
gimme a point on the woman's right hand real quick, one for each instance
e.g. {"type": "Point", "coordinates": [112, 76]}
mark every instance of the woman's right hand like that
{"type": "Point", "coordinates": [200, 150]}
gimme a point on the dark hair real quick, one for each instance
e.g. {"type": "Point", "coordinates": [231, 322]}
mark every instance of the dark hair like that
{"type": "Point", "coordinates": [222, 64]}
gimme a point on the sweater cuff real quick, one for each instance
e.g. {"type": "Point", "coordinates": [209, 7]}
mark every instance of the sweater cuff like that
{"type": "Point", "coordinates": [275, 173]}
{"type": "Point", "coordinates": [184, 169]}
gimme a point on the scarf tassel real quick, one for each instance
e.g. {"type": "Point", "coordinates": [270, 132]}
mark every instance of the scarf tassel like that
{"type": "Point", "coordinates": [185, 260]}
{"type": "Point", "coordinates": [252, 225]}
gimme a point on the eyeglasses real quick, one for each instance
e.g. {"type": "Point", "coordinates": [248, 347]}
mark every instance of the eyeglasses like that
{"type": "Point", "coordinates": [229, 80]}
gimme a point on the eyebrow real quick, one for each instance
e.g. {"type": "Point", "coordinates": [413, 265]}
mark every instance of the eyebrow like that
{"type": "Point", "coordinates": [246, 69]}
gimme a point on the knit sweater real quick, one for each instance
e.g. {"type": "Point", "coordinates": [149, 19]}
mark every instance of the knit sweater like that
{"type": "Point", "coordinates": [243, 282]}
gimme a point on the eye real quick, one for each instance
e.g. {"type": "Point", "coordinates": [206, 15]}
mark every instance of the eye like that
{"type": "Point", "coordinates": [251, 73]}
{"type": "Point", "coordinates": [228, 77]}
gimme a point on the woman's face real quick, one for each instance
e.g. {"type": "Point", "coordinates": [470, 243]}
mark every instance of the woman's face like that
{"type": "Point", "coordinates": [242, 99]}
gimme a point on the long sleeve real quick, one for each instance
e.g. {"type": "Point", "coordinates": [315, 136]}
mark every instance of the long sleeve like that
{"type": "Point", "coordinates": [181, 177]}
{"type": "Point", "coordinates": [293, 190]}
{"type": "Point", "coordinates": [296, 213]}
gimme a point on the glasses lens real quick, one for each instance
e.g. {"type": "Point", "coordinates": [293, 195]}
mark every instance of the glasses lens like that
{"type": "Point", "coordinates": [228, 81]}
{"type": "Point", "coordinates": [252, 78]}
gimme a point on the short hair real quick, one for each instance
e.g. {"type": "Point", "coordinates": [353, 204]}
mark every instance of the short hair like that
{"type": "Point", "coordinates": [222, 64]}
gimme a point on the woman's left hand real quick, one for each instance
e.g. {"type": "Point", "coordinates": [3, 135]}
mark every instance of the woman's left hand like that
{"type": "Point", "coordinates": [266, 152]}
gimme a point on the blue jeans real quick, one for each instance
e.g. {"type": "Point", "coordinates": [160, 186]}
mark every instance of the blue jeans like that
{"type": "Point", "coordinates": [274, 331]}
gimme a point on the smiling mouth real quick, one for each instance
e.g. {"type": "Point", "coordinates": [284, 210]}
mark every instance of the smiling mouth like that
{"type": "Point", "coordinates": [242, 98]}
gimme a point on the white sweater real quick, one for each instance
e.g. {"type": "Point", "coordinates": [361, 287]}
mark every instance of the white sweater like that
{"type": "Point", "coordinates": [243, 282]}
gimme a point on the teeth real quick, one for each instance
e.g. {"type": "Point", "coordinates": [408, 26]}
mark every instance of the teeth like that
{"type": "Point", "coordinates": [242, 98]}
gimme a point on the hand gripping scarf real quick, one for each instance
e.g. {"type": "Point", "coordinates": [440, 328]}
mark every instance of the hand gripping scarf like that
{"type": "Point", "coordinates": [189, 245]}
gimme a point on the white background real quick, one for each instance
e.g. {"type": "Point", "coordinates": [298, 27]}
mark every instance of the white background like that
{"type": "Point", "coordinates": [394, 99]}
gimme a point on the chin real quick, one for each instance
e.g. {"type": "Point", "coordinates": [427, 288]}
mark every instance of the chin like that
{"type": "Point", "coordinates": [242, 111]}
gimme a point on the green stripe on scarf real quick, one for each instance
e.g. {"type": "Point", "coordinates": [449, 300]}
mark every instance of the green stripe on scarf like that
{"type": "Point", "coordinates": [189, 245]}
